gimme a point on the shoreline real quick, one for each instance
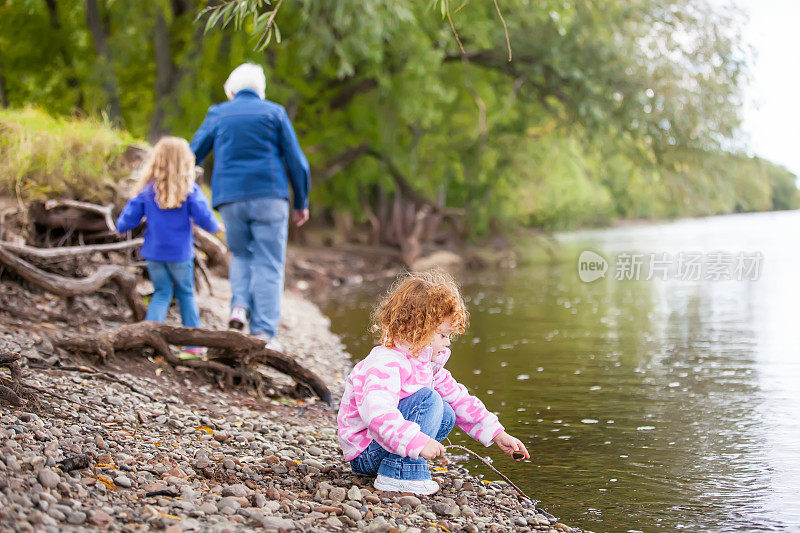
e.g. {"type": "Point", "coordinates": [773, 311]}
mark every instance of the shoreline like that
{"type": "Point", "coordinates": [195, 458]}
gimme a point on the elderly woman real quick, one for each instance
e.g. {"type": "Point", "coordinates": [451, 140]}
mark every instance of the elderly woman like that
{"type": "Point", "coordinates": [256, 156]}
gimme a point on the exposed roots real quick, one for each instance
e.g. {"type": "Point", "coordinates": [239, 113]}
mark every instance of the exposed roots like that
{"type": "Point", "coordinates": [233, 360]}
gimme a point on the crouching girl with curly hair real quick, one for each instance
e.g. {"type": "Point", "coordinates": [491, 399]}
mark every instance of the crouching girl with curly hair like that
{"type": "Point", "coordinates": [400, 402]}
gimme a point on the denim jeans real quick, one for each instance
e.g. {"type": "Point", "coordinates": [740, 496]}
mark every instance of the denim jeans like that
{"type": "Point", "coordinates": [173, 278]}
{"type": "Point", "coordinates": [435, 417]}
{"type": "Point", "coordinates": [256, 231]}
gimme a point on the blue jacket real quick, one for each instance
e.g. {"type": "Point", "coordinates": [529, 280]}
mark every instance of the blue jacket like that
{"type": "Point", "coordinates": [254, 146]}
{"type": "Point", "coordinates": [168, 235]}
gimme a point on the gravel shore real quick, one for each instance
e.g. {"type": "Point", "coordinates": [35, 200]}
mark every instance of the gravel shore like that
{"type": "Point", "coordinates": [165, 450]}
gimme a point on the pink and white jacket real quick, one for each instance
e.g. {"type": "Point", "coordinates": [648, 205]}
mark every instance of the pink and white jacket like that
{"type": "Point", "coordinates": [387, 375]}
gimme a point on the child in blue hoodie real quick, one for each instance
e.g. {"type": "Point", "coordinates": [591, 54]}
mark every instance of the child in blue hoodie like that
{"type": "Point", "coordinates": [170, 200]}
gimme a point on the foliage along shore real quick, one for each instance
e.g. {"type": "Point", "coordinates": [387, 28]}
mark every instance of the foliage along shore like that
{"type": "Point", "coordinates": [45, 157]}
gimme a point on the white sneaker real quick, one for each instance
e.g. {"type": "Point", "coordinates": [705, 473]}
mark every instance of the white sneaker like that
{"type": "Point", "coordinates": [238, 318]}
{"type": "Point", "coordinates": [420, 487]}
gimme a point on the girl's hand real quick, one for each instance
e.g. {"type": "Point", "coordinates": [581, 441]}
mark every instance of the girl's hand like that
{"type": "Point", "coordinates": [432, 449]}
{"type": "Point", "coordinates": [510, 444]}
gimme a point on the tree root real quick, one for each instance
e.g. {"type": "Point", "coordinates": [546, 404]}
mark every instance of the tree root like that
{"type": "Point", "coordinates": [15, 392]}
{"type": "Point", "coordinates": [69, 287]}
{"type": "Point", "coordinates": [236, 354]}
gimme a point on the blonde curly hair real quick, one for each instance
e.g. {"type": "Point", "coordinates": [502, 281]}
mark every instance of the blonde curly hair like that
{"type": "Point", "coordinates": [170, 168]}
{"type": "Point", "coordinates": [417, 304]}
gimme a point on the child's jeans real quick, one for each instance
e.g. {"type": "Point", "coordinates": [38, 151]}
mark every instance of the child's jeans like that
{"type": "Point", "coordinates": [173, 278]}
{"type": "Point", "coordinates": [435, 417]}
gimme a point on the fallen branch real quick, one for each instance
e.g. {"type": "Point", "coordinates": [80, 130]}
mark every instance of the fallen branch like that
{"type": "Point", "coordinates": [69, 251]}
{"type": "Point", "coordinates": [214, 248]}
{"type": "Point", "coordinates": [69, 287]}
{"type": "Point", "coordinates": [237, 352]}
{"type": "Point", "coordinates": [104, 211]}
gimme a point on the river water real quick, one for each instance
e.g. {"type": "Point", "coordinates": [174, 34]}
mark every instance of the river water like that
{"type": "Point", "coordinates": [647, 404]}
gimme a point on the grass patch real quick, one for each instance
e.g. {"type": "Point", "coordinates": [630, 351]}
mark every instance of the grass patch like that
{"type": "Point", "coordinates": [43, 157]}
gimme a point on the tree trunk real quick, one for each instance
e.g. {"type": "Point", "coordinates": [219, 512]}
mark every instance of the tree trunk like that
{"type": "Point", "coordinates": [110, 85]}
{"type": "Point", "coordinates": [165, 72]}
{"type": "Point", "coordinates": [168, 73]}
{"type": "Point", "coordinates": [3, 91]}
{"type": "Point", "coordinates": [72, 80]}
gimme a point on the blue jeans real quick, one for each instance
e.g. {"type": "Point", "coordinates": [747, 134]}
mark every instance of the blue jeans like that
{"type": "Point", "coordinates": [173, 278]}
{"type": "Point", "coordinates": [256, 231]}
{"type": "Point", "coordinates": [435, 417]}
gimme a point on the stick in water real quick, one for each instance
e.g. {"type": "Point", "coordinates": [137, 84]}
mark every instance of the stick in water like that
{"type": "Point", "coordinates": [496, 471]}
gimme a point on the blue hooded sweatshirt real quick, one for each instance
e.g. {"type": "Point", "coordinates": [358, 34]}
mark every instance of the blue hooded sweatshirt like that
{"type": "Point", "coordinates": [168, 235]}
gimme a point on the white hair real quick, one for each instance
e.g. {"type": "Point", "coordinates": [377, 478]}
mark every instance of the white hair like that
{"type": "Point", "coordinates": [246, 76]}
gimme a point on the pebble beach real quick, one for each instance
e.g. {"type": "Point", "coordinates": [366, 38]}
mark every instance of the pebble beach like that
{"type": "Point", "coordinates": [161, 449]}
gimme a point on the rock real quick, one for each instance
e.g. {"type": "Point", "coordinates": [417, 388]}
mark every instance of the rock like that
{"type": "Point", "coordinates": [48, 478]}
{"type": "Point", "coordinates": [354, 493]}
{"type": "Point", "coordinates": [351, 512]}
{"type": "Point", "coordinates": [101, 519]}
{"type": "Point", "coordinates": [313, 450]}
{"type": "Point", "coordinates": [259, 500]}
{"type": "Point", "coordinates": [562, 527]}
{"type": "Point", "coordinates": [123, 481]}
{"type": "Point", "coordinates": [76, 518]}
{"type": "Point", "coordinates": [239, 490]}
{"type": "Point", "coordinates": [334, 522]}
{"type": "Point", "coordinates": [337, 494]}
{"type": "Point", "coordinates": [221, 436]}
{"type": "Point", "coordinates": [113, 400]}
{"type": "Point", "coordinates": [274, 522]}
{"type": "Point", "coordinates": [440, 258]}
{"type": "Point", "coordinates": [313, 463]}
{"type": "Point", "coordinates": [411, 501]}
{"type": "Point", "coordinates": [445, 509]}
{"type": "Point", "coordinates": [229, 501]}
{"type": "Point", "coordinates": [208, 508]}
{"type": "Point", "coordinates": [380, 525]}
{"type": "Point", "coordinates": [280, 468]}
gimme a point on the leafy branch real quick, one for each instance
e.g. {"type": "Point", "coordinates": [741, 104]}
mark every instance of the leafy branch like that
{"type": "Point", "coordinates": [238, 12]}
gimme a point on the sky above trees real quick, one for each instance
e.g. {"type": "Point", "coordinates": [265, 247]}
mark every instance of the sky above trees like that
{"type": "Point", "coordinates": [772, 107]}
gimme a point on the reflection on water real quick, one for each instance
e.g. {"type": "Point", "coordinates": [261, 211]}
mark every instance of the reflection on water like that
{"type": "Point", "coordinates": [645, 404]}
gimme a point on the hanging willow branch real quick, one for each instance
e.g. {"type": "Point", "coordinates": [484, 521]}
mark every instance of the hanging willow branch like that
{"type": "Point", "coordinates": [238, 11]}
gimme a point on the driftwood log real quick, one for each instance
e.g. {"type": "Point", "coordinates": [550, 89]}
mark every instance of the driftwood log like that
{"type": "Point", "coordinates": [69, 287]}
{"type": "Point", "coordinates": [70, 251]}
{"type": "Point", "coordinates": [216, 251]}
{"type": "Point", "coordinates": [234, 353]}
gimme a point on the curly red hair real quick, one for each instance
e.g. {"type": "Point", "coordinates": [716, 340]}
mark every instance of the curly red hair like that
{"type": "Point", "coordinates": [417, 304]}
